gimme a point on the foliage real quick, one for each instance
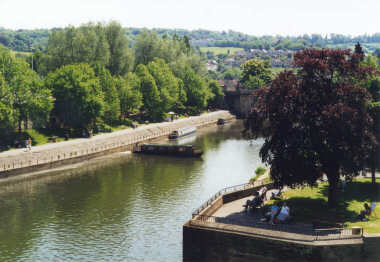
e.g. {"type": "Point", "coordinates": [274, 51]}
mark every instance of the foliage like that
{"type": "Point", "coordinates": [311, 203]}
{"type": "Point", "coordinates": [129, 94]}
{"type": "Point", "coordinates": [373, 87]}
{"type": "Point", "coordinates": [166, 82]}
{"type": "Point", "coordinates": [78, 96]}
{"type": "Point", "coordinates": [30, 40]}
{"type": "Point", "coordinates": [28, 99]}
{"type": "Point", "coordinates": [256, 74]}
{"type": "Point", "coordinates": [260, 171]}
{"type": "Point", "coordinates": [150, 94]}
{"type": "Point", "coordinates": [105, 44]}
{"type": "Point", "coordinates": [7, 112]}
{"type": "Point", "coordinates": [121, 57]}
{"type": "Point", "coordinates": [197, 91]}
{"type": "Point", "coordinates": [111, 97]}
{"type": "Point", "coordinates": [217, 98]}
{"type": "Point", "coordinates": [315, 121]}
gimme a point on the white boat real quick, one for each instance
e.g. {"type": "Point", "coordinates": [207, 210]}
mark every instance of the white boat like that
{"type": "Point", "coordinates": [182, 132]}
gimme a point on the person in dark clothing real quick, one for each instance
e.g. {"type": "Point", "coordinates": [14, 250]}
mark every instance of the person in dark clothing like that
{"type": "Point", "coordinates": [365, 212]}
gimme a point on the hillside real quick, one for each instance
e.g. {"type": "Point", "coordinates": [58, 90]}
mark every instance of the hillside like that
{"type": "Point", "coordinates": [29, 40]}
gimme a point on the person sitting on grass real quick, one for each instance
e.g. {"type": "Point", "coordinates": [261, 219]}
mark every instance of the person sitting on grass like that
{"type": "Point", "coordinates": [365, 212]}
{"type": "Point", "coordinates": [283, 215]}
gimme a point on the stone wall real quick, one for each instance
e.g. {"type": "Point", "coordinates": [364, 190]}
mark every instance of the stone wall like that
{"type": "Point", "coordinates": [211, 209]}
{"type": "Point", "coordinates": [208, 240]}
{"type": "Point", "coordinates": [208, 244]}
{"type": "Point", "coordinates": [69, 152]}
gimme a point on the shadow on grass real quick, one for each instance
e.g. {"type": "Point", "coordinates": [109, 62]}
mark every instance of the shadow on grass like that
{"type": "Point", "coordinates": [307, 210]}
{"type": "Point", "coordinates": [350, 203]}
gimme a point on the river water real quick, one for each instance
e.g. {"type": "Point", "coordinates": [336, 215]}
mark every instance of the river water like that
{"type": "Point", "coordinates": [122, 207]}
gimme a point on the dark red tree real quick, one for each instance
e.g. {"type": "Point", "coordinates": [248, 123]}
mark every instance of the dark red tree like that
{"type": "Point", "coordinates": [315, 121]}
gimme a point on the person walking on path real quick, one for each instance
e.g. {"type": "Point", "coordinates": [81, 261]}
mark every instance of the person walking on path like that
{"type": "Point", "coordinates": [26, 145]}
{"type": "Point", "coordinates": [30, 144]}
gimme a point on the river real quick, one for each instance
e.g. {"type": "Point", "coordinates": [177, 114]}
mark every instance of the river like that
{"type": "Point", "coordinates": [122, 207]}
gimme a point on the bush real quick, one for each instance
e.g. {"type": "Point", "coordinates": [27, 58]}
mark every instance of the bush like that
{"type": "Point", "coordinates": [259, 172]}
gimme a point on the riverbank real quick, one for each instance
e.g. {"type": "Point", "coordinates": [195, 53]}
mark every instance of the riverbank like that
{"type": "Point", "coordinates": [49, 156]}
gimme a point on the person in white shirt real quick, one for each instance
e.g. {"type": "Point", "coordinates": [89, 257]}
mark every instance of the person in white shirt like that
{"type": "Point", "coordinates": [284, 213]}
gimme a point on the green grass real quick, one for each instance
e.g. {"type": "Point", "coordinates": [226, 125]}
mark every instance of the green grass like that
{"type": "Point", "coordinates": [310, 203]}
{"type": "Point", "coordinates": [39, 137]}
{"type": "Point", "coordinates": [221, 50]}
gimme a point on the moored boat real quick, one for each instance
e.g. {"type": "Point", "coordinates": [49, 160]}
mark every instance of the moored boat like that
{"type": "Point", "coordinates": [182, 132]}
{"type": "Point", "coordinates": [167, 149]}
{"type": "Point", "coordinates": [222, 121]}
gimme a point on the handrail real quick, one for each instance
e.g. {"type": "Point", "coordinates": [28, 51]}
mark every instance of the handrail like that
{"type": "Point", "coordinates": [219, 193]}
{"type": "Point", "coordinates": [325, 234]}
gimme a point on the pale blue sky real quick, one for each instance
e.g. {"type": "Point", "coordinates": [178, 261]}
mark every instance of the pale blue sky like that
{"type": "Point", "coordinates": [257, 17]}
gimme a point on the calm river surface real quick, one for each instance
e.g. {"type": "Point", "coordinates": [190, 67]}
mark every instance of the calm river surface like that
{"type": "Point", "coordinates": [122, 207]}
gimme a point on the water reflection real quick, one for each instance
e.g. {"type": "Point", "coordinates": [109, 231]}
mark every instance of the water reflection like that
{"type": "Point", "coordinates": [123, 207]}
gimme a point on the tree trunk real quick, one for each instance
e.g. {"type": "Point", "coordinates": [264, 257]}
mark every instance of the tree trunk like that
{"type": "Point", "coordinates": [19, 125]}
{"type": "Point", "coordinates": [373, 172]}
{"type": "Point", "coordinates": [333, 177]}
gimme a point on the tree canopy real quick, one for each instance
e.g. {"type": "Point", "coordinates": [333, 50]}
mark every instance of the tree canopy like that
{"type": "Point", "coordinates": [315, 121]}
{"type": "Point", "coordinates": [255, 74]}
{"type": "Point", "coordinates": [79, 98]}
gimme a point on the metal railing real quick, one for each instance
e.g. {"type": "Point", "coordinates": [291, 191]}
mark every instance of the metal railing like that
{"type": "Point", "coordinates": [220, 193]}
{"type": "Point", "coordinates": [338, 233]}
{"type": "Point", "coordinates": [305, 233]}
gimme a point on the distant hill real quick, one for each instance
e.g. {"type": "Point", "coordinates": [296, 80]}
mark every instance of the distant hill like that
{"type": "Point", "coordinates": [29, 40]}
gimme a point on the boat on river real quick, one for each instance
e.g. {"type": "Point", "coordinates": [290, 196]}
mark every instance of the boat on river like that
{"type": "Point", "coordinates": [223, 121]}
{"type": "Point", "coordinates": [167, 149]}
{"type": "Point", "coordinates": [182, 132]}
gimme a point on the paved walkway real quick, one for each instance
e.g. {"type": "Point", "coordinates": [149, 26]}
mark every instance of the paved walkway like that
{"type": "Point", "coordinates": [20, 158]}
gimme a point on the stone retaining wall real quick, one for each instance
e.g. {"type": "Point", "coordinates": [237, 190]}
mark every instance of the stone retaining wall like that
{"type": "Point", "coordinates": [213, 241]}
{"type": "Point", "coordinates": [70, 152]}
{"type": "Point", "coordinates": [213, 244]}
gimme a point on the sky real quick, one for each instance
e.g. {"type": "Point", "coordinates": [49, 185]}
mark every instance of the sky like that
{"type": "Point", "coordinates": [255, 17]}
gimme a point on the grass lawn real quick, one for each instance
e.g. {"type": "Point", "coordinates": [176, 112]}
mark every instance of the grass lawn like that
{"type": "Point", "coordinates": [310, 203]}
{"type": "Point", "coordinates": [221, 50]}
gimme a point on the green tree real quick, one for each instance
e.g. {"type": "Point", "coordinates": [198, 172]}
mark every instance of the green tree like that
{"type": "Point", "coordinates": [256, 74]}
{"type": "Point", "coordinates": [85, 44]}
{"type": "Point", "coordinates": [147, 47]}
{"type": "Point", "coordinates": [111, 109]}
{"type": "Point", "coordinates": [30, 99]}
{"type": "Point", "coordinates": [121, 57]}
{"type": "Point", "coordinates": [129, 94]}
{"type": "Point", "coordinates": [218, 94]}
{"type": "Point", "coordinates": [78, 96]}
{"type": "Point", "coordinates": [150, 94]}
{"type": "Point", "coordinates": [7, 113]}
{"type": "Point", "coordinates": [197, 91]}
{"type": "Point", "coordinates": [166, 82]}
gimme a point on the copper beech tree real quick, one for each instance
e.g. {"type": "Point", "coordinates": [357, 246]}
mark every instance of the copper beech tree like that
{"type": "Point", "coordinates": [315, 120]}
